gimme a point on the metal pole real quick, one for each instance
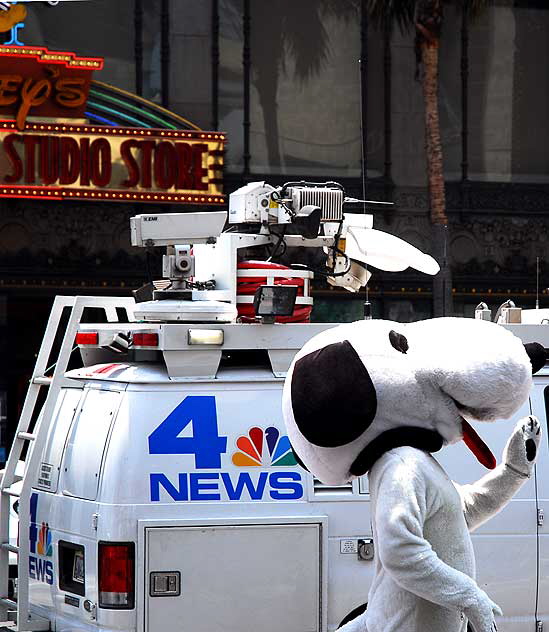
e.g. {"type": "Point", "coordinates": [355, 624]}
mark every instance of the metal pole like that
{"type": "Point", "coordinates": [465, 94]}
{"type": "Point", "coordinates": [364, 85]}
{"type": "Point", "coordinates": [138, 33]}
{"type": "Point", "coordinates": [165, 51]}
{"type": "Point", "coordinates": [215, 64]}
{"type": "Point", "coordinates": [387, 84]}
{"type": "Point", "coordinates": [247, 63]}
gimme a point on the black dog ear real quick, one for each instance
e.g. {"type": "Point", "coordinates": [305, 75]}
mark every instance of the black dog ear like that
{"type": "Point", "coordinates": [333, 397]}
{"type": "Point", "coordinates": [398, 341]}
{"type": "Point", "coordinates": [537, 355]}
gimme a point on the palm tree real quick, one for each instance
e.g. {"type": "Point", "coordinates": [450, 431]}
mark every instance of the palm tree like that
{"type": "Point", "coordinates": [426, 18]}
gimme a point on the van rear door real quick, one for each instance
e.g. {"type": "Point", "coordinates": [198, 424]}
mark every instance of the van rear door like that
{"type": "Point", "coordinates": [50, 464]}
{"type": "Point", "coordinates": [87, 441]}
{"type": "Point", "coordinates": [234, 576]}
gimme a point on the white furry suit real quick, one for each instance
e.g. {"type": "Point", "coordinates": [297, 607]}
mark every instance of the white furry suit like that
{"type": "Point", "coordinates": [432, 374]}
{"type": "Point", "coordinates": [425, 566]}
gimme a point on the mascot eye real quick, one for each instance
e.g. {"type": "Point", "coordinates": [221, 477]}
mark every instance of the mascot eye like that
{"type": "Point", "coordinates": [398, 341]}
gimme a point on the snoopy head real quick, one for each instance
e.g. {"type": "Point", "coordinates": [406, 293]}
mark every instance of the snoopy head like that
{"type": "Point", "coordinates": [358, 390]}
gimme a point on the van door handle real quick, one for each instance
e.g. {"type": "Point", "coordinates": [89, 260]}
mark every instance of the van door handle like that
{"type": "Point", "coordinates": [165, 584]}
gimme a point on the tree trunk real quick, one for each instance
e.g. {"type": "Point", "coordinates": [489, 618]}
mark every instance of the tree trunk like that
{"type": "Point", "coordinates": [442, 283]}
{"type": "Point", "coordinates": [267, 51]}
{"type": "Point", "coordinates": [433, 145]}
{"type": "Point", "coordinates": [268, 92]}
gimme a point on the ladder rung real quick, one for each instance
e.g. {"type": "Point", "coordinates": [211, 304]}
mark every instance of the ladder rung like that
{"type": "Point", "coordinates": [10, 547]}
{"type": "Point", "coordinates": [10, 492]}
{"type": "Point", "coordinates": [26, 436]}
{"type": "Point", "coordinates": [42, 380]}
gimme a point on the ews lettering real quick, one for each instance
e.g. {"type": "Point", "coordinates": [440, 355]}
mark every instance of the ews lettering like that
{"type": "Point", "coordinates": [41, 569]}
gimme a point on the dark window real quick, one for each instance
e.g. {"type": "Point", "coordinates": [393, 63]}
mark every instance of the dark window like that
{"type": "Point", "coordinates": [72, 568]}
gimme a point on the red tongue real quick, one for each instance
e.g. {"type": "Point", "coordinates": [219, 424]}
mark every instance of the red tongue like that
{"type": "Point", "coordinates": [477, 446]}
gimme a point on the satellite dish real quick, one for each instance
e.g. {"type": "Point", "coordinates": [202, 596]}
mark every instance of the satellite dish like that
{"type": "Point", "coordinates": [387, 252]}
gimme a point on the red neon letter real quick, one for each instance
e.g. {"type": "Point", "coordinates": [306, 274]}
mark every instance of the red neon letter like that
{"type": "Point", "coordinates": [198, 170]}
{"type": "Point", "coordinates": [131, 163]}
{"type": "Point", "coordinates": [147, 147]}
{"type": "Point", "coordinates": [84, 162]}
{"type": "Point", "coordinates": [164, 165]}
{"type": "Point", "coordinates": [14, 158]}
{"type": "Point", "coordinates": [101, 162]}
{"type": "Point", "coordinates": [49, 159]}
{"type": "Point", "coordinates": [184, 162]}
{"type": "Point", "coordinates": [70, 161]}
{"type": "Point", "coordinates": [30, 151]}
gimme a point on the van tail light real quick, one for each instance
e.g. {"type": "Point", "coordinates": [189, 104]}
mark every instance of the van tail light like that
{"type": "Point", "coordinates": [117, 575]}
{"type": "Point", "coordinates": [87, 338]}
{"type": "Point", "coordinates": [145, 340]}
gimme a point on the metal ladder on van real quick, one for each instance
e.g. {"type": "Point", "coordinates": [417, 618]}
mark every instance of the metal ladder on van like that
{"type": "Point", "coordinates": [16, 614]}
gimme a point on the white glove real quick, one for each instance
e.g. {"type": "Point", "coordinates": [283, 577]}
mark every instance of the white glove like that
{"type": "Point", "coordinates": [521, 450]}
{"type": "Point", "coordinates": [481, 615]}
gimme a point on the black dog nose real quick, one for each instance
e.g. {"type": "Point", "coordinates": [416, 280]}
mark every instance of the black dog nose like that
{"type": "Point", "coordinates": [537, 355]}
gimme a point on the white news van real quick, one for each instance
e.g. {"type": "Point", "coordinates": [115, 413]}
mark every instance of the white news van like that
{"type": "Point", "coordinates": [161, 492]}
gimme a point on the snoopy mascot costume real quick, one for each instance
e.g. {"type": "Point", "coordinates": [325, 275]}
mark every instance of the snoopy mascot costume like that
{"type": "Point", "coordinates": [380, 397]}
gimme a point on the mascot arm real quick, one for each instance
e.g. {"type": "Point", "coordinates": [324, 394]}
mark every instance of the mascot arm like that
{"type": "Point", "coordinates": [483, 499]}
{"type": "Point", "coordinates": [404, 501]}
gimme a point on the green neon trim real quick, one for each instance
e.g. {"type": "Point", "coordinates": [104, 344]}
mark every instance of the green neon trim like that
{"type": "Point", "coordinates": [133, 108]}
{"type": "Point", "coordinates": [131, 119]}
{"type": "Point", "coordinates": [154, 106]}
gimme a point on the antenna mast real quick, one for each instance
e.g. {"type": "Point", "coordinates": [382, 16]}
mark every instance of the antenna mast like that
{"type": "Point", "coordinates": [362, 72]}
{"type": "Point", "coordinates": [537, 283]}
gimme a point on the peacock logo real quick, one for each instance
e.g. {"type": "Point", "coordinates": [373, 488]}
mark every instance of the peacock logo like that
{"type": "Point", "coordinates": [44, 546]}
{"type": "Point", "coordinates": [263, 448]}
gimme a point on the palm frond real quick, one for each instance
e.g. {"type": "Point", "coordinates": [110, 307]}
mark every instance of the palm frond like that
{"type": "Point", "coordinates": [341, 9]}
{"type": "Point", "coordinates": [309, 53]}
{"type": "Point", "coordinates": [400, 12]}
{"type": "Point", "coordinates": [311, 56]}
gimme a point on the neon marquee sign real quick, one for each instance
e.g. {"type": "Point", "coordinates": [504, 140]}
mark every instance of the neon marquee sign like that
{"type": "Point", "coordinates": [49, 151]}
{"type": "Point", "coordinates": [58, 161]}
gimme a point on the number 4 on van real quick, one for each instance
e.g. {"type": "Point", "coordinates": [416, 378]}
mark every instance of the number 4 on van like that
{"type": "Point", "coordinates": [205, 443]}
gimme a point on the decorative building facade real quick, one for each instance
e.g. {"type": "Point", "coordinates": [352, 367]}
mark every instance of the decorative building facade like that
{"type": "Point", "coordinates": [303, 90]}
